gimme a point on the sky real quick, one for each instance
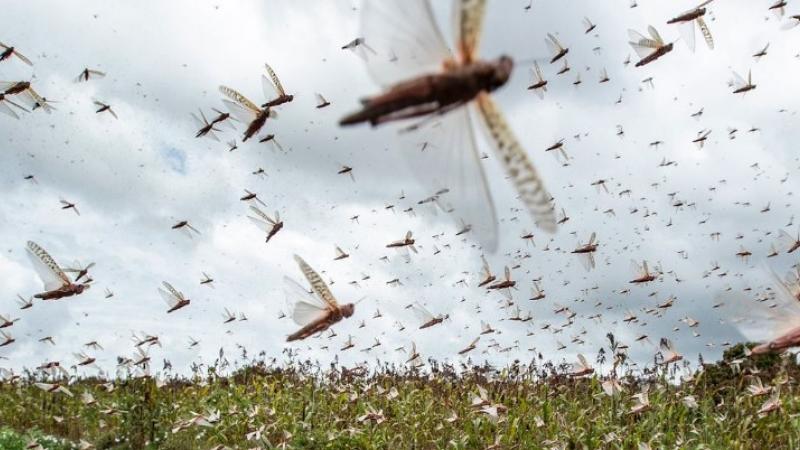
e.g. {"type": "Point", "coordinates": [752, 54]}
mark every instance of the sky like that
{"type": "Point", "coordinates": [134, 177]}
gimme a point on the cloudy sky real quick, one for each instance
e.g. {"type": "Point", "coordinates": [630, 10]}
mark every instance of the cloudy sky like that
{"type": "Point", "coordinates": [133, 178]}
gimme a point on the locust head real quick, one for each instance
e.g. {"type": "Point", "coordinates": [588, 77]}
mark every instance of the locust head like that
{"type": "Point", "coordinates": [347, 310]}
{"type": "Point", "coordinates": [502, 71]}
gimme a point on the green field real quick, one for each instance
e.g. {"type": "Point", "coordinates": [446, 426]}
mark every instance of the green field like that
{"type": "Point", "coordinates": [523, 406]}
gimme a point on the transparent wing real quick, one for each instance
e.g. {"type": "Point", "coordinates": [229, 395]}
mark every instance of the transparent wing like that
{"type": "Point", "coordinates": [790, 286]}
{"type": "Point", "coordinates": [551, 47]}
{"type": "Point", "coordinates": [172, 290]}
{"type": "Point", "coordinates": [264, 226]}
{"type": "Point", "coordinates": [785, 240]}
{"type": "Point", "coordinates": [538, 70]}
{"type": "Point", "coordinates": [198, 122]}
{"type": "Point", "coordinates": [518, 166]}
{"type": "Point", "coordinates": [656, 37]}
{"type": "Point", "coordinates": [738, 81]}
{"type": "Point", "coordinates": [5, 109]}
{"type": "Point", "coordinates": [317, 284]}
{"type": "Point", "coordinates": [52, 276]}
{"type": "Point", "coordinates": [407, 38]}
{"type": "Point", "coordinates": [468, 26]}
{"type": "Point", "coordinates": [641, 50]}
{"type": "Point", "coordinates": [640, 39]}
{"type": "Point", "coordinates": [23, 58]}
{"type": "Point", "coordinates": [339, 252]}
{"type": "Point", "coordinates": [4, 85]}
{"type": "Point", "coordinates": [305, 307]}
{"type": "Point", "coordinates": [641, 45]}
{"type": "Point", "coordinates": [587, 261]}
{"type": "Point", "coordinates": [449, 158]}
{"type": "Point", "coordinates": [263, 221]}
{"type": "Point", "coordinates": [169, 299]}
{"type": "Point", "coordinates": [422, 313]}
{"type": "Point", "coordinates": [686, 29]}
{"type": "Point", "coordinates": [486, 272]}
{"type": "Point", "coordinates": [636, 268]}
{"type": "Point", "coordinates": [557, 47]}
{"type": "Point", "coordinates": [36, 99]}
{"type": "Point", "coordinates": [241, 113]}
{"type": "Point", "coordinates": [759, 319]}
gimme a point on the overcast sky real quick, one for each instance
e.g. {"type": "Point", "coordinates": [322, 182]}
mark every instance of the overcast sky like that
{"type": "Point", "coordinates": [134, 177]}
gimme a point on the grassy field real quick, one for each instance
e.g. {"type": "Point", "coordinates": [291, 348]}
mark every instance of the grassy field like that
{"type": "Point", "coordinates": [522, 406]}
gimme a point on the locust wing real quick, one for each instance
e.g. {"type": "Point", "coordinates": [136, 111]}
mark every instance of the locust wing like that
{"type": "Point", "coordinates": [51, 274]}
{"type": "Point", "coordinates": [263, 221]}
{"type": "Point", "coordinates": [406, 37]}
{"type": "Point", "coordinates": [762, 319]}
{"type": "Point", "coordinates": [706, 32]}
{"type": "Point", "coordinates": [305, 308]}
{"type": "Point", "coordinates": [518, 166]}
{"type": "Point", "coordinates": [317, 284]}
{"type": "Point", "coordinates": [448, 156]}
{"type": "Point", "coordinates": [469, 24]}
{"type": "Point", "coordinates": [171, 295]}
{"type": "Point", "coordinates": [239, 105]}
{"type": "Point", "coordinates": [641, 45]}
{"type": "Point", "coordinates": [274, 86]}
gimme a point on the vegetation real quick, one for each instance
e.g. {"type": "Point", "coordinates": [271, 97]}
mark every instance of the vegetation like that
{"type": "Point", "coordinates": [525, 406]}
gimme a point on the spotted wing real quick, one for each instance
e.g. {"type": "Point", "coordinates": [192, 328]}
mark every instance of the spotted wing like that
{"type": "Point", "coordinates": [317, 284]}
{"type": "Point", "coordinates": [242, 108]}
{"type": "Point", "coordinates": [519, 167]}
{"type": "Point", "coordinates": [405, 36]}
{"type": "Point", "coordinates": [51, 274]}
{"type": "Point", "coordinates": [276, 83]}
{"type": "Point", "coordinates": [305, 307]}
{"type": "Point", "coordinates": [706, 32]}
{"type": "Point", "coordinates": [469, 24]}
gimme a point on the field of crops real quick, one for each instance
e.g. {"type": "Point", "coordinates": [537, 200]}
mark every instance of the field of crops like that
{"type": "Point", "coordinates": [740, 403]}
